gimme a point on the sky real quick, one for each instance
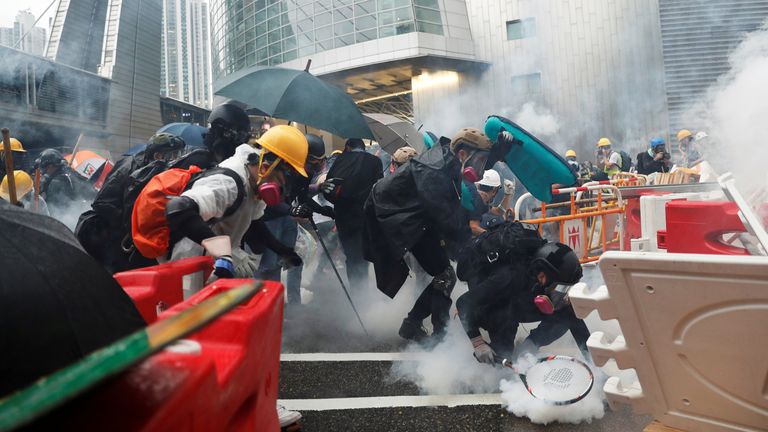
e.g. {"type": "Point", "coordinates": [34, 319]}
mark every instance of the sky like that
{"type": "Point", "coordinates": [35, 6]}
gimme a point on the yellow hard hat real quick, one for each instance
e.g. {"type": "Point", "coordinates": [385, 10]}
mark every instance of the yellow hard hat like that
{"type": "Point", "coordinates": [604, 142]}
{"type": "Point", "coordinates": [288, 144]}
{"type": "Point", "coordinates": [570, 153]}
{"type": "Point", "coordinates": [15, 145]}
{"type": "Point", "coordinates": [336, 152]}
{"type": "Point", "coordinates": [683, 134]}
{"type": "Point", "coordinates": [23, 185]}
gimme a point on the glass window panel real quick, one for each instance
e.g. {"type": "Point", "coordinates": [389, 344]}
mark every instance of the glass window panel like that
{"type": "Point", "coordinates": [342, 14]}
{"type": "Point", "coordinates": [402, 3]}
{"type": "Point", "coordinates": [365, 36]}
{"type": "Point", "coordinates": [322, 6]}
{"type": "Point", "coordinates": [261, 16]}
{"type": "Point", "coordinates": [274, 36]}
{"type": "Point", "coordinates": [365, 7]}
{"type": "Point", "coordinates": [324, 45]}
{"type": "Point", "coordinates": [428, 15]}
{"type": "Point", "coordinates": [275, 49]}
{"type": "Point", "coordinates": [269, 2]}
{"type": "Point", "coordinates": [429, 28]}
{"type": "Point", "coordinates": [306, 39]}
{"type": "Point", "coordinates": [405, 28]}
{"type": "Point", "coordinates": [276, 60]}
{"type": "Point", "coordinates": [365, 22]}
{"type": "Point", "coordinates": [403, 14]}
{"type": "Point", "coordinates": [520, 29]}
{"type": "Point", "coordinates": [284, 19]}
{"type": "Point", "coordinates": [323, 33]}
{"type": "Point", "coordinates": [262, 54]}
{"type": "Point", "coordinates": [289, 44]}
{"type": "Point", "coordinates": [304, 12]}
{"type": "Point", "coordinates": [289, 55]}
{"type": "Point", "coordinates": [273, 24]}
{"type": "Point", "coordinates": [386, 4]}
{"type": "Point", "coordinates": [262, 41]}
{"type": "Point", "coordinates": [386, 18]}
{"type": "Point", "coordinates": [323, 19]}
{"type": "Point", "coordinates": [427, 3]}
{"type": "Point", "coordinates": [273, 10]}
{"type": "Point", "coordinates": [305, 25]}
{"type": "Point", "coordinates": [343, 28]}
{"type": "Point", "coordinates": [385, 31]}
{"type": "Point", "coordinates": [341, 3]}
{"type": "Point", "coordinates": [287, 31]}
{"type": "Point", "coordinates": [260, 4]}
{"type": "Point", "coordinates": [307, 51]}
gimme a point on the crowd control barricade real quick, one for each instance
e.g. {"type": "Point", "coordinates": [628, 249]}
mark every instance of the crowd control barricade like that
{"type": "Point", "coordinates": [155, 289]}
{"type": "Point", "coordinates": [591, 226]}
{"type": "Point", "coordinates": [223, 377]}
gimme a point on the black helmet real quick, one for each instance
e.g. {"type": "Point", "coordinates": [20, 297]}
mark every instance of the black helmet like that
{"type": "Point", "coordinates": [50, 157]}
{"type": "Point", "coordinates": [559, 262]}
{"type": "Point", "coordinates": [316, 146]}
{"type": "Point", "coordinates": [232, 118]}
{"type": "Point", "coordinates": [163, 143]}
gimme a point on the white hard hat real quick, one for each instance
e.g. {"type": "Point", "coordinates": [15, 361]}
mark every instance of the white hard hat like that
{"type": "Point", "coordinates": [491, 179]}
{"type": "Point", "coordinates": [700, 136]}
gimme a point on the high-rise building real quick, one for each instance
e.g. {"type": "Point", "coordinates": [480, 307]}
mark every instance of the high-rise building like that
{"type": "Point", "coordinates": [186, 57]}
{"type": "Point", "coordinates": [24, 35]}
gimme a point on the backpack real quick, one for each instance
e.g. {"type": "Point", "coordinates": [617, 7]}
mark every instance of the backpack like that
{"type": "Point", "coordinates": [498, 245]}
{"type": "Point", "coordinates": [626, 161]}
{"type": "Point", "coordinates": [149, 226]}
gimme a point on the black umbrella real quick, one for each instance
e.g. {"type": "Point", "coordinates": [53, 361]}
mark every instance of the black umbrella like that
{"type": "Point", "coordinates": [56, 303]}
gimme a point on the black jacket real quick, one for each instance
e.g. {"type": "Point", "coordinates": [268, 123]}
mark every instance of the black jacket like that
{"type": "Point", "coordinates": [646, 165]}
{"type": "Point", "coordinates": [109, 201]}
{"type": "Point", "coordinates": [58, 190]}
{"type": "Point", "coordinates": [422, 193]}
{"type": "Point", "coordinates": [360, 171]}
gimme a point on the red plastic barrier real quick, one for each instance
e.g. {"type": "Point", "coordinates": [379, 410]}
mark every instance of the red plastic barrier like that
{"type": "Point", "coordinates": [231, 384]}
{"type": "Point", "coordinates": [632, 216]}
{"type": "Point", "coordinates": [155, 289]}
{"type": "Point", "coordinates": [698, 227]}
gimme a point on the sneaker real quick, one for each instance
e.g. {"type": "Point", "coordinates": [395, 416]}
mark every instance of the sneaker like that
{"type": "Point", "coordinates": [412, 330]}
{"type": "Point", "coordinates": [286, 417]}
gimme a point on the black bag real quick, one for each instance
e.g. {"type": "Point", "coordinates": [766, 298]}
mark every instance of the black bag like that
{"type": "Point", "coordinates": [626, 161]}
{"type": "Point", "coordinates": [499, 245]}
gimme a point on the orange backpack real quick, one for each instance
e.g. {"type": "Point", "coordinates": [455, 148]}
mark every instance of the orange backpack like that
{"type": "Point", "coordinates": [149, 227]}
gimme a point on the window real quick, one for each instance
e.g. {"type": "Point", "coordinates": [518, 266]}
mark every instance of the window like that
{"type": "Point", "coordinates": [521, 29]}
{"type": "Point", "coordinates": [528, 84]}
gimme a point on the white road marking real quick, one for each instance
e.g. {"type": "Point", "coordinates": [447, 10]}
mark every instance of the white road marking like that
{"type": "Point", "coordinates": [391, 402]}
{"type": "Point", "coordinates": [340, 357]}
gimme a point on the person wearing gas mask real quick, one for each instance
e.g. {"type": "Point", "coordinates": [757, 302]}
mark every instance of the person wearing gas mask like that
{"type": "Point", "coordinates": [230, 127]}
{"type": "Point", "coordinates": [573, 164]}
{"type": "Point", "coordinates": [282, 219]}
{"type": "Point", "coordinates": [224, 206]}
{"type": "Point", "coordinates": [57, 186]}
{"type": "Point", "coordinates": [417, 210]}
{"type": "Point", "coordinates": [523, 289]}
{"type": "Point", "coordinates": [347, 186]}
{"type": "Point", "coordinates": [655, 159]}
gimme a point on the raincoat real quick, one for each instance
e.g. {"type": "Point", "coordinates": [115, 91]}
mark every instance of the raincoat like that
{"type": "Point", "coordinates": [422, 193]}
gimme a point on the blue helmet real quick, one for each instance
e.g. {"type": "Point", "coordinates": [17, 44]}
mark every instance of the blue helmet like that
{"type": "Point", "coordinates": [656, 142]}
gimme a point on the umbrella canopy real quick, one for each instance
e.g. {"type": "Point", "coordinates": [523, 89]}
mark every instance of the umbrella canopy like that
{"type": "Point", "coordinates": [299, 96]}
{"type": "Point", "coordinates": [192, 134]}
{"type": "Point", "coordinates": [392, 133]}
{"type": "Point", "coordinates": [87, 163]}
{"type": "Point", "coordinates": [56, 303]}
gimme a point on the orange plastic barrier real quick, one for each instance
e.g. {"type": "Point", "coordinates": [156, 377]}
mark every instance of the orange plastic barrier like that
{"type": "Point", "coordinates": [155, 289]}
{"type": "Point", "coordinates": [698, 227]}
{"type": "Point", "coordinates": [633, 230]}
{"type": "Point", "coordinates": [229, 384]}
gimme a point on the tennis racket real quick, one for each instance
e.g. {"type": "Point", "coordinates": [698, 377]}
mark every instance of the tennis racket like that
{"type": "Point", "coordinates": [555, 379]}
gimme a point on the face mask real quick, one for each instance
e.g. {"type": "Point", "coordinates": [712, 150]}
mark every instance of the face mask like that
{"type": "Point", "coordinates": [468, 171]}
{"type": "Point", "coordinates": [270, 193]}
{"type": "Point", "coordinates": [470, 175]}
{"type": "Point", "coordinates": [555, 298]}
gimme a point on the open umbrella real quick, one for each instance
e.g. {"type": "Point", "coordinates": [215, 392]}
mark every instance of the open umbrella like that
{"type": "Point", "coordinates": [56, 303]}
{"type": "Point", "coordinates": [299, 96]}
{"type": "Point", "coordinates": [192, 134]}
{"type": "Point", "coordinates": [392, 133]}
{"type": "Point", "coordinates": [87, 164]}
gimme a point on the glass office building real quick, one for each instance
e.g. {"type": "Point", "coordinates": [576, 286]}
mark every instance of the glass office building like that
{"type": "Point", "coordinates": [271, 32]}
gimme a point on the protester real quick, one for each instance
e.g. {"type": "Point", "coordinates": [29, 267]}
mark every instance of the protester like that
{"type": "Point", "coordinates": [570, 157]}
{"type": "Point", "coordinates": [24, 193]}
{"type": "Point", "coordinates": [655, 159]}
{"type": "Point", "coordinates": [57, 186]}
{"type": "Point", "coordinates": [230, 127]}
{"type": "Point", "coordinates": [17, 152]}
{"type": "Point", "coordinates": [349, 182]}
{"type": "Point", "coordinates": [281, 219]}
{"type": "Point", "coordinates": [687, 145]}
{"type": "Point", "coordinates": [105, 232]}
{"type": "Point", "coordinates": [609, 160]}
{"type": "Point", "coordinates": [484, 193]}
{"type": "Point", "coordinates": [417, 210]}
{"type": "Point", "coordinates": [523, 284]}
{"type": "Point", "coordinates": [223, 206]}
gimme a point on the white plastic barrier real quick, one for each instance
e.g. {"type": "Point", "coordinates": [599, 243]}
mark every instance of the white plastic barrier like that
{"type": "Point", "coordinates": [653, 218]}
{"type": "Point", "coordinates": [695, 329]}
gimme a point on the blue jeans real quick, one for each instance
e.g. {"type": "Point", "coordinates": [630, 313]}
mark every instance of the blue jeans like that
{"type": "Point", "coordinates": [285, 229]}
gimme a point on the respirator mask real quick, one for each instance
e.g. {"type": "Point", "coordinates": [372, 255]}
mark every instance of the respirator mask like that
{"type": "Point", "coordinates": [473, 166]}
{"type": "Point", "coordinates": [555, 297]}
{"type": "Point", "coordinates": [268, 191]}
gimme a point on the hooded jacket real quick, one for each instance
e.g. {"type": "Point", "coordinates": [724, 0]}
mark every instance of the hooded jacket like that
{"type": "Point", "coordinates": [423, 193]}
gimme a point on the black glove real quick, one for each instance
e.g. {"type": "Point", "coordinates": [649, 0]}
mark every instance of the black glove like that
{"type": "Point", "coordinates": [327, 211]}
{"type": "Point", "coordinates": [504, 143]}
{"type": "Point", "coordinates": [301, 211]}
{"type": "Point", "coordinates": [291, 259]}
{"type": "Point", "coordinates": [329, 186]}
{"type": "Point", "coordinates": [223, 267]}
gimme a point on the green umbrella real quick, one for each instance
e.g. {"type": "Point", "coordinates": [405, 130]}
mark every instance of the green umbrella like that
{"type": "Point", "coordinates": [299, 96]}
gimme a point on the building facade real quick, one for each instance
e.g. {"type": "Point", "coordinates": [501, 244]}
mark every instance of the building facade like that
{"type": "Point", "coordinates": [186, 55]}
{"type": "Point", "coordinates": [24, 35]}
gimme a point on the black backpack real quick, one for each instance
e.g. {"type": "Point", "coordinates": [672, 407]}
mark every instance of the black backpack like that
{"type": "Point", "coordinates": [626, 161]}
{"type": "Point", "coordinates": [500, 244]}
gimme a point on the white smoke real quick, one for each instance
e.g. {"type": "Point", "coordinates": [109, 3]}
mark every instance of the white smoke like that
{"type": "Point", "coordinates": [537, 121]}
{"type": "Point", "coordinates": [734, 112]}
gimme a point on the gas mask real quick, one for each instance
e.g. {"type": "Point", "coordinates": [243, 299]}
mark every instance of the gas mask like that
{"type": "Point", "coordinates": [473, 167]}
{"type": "Point", "coordinates": [555, 297]}
{"type": "Point", "coordinates": [269, 191]}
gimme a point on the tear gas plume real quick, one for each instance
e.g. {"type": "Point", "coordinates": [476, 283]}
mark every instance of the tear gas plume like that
{"type": "Point", "coordinates": [733, 113]}
{"type": "Point", "coordinates": [538, 121]}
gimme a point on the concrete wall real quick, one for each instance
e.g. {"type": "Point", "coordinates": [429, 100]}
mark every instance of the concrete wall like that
{"type": "Point", "coordinates": [600, 63]}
